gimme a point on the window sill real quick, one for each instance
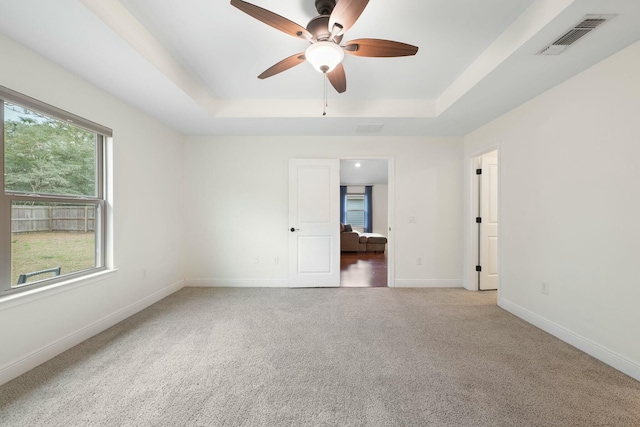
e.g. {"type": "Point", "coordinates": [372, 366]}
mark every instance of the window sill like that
{"type": "Point", "coordinates": [31, 295]}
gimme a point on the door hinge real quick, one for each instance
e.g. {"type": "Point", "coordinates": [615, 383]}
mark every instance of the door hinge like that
{"type": "Point", "coordinates": [479, 220]}
{"type": "Point", "coordinates": [478, 171]}
{"type": "Point", "coordinates": [478, 268]}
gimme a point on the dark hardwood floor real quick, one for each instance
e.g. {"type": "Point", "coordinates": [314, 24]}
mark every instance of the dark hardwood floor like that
{"type": "Point", "coordinates": [363, 270]}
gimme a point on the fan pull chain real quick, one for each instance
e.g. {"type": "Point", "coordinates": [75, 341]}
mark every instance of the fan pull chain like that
{"type": "Point", "coordinates": [324, 108]}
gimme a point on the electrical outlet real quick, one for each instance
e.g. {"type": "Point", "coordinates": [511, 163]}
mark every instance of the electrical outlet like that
{"type": "Point", "coordinates": [256, 259]}
{"type": "Point", "coordinates": [143, 274]}
{"type": "Point", "coordinates": [412, 219]}
{"type": "Point", "coordinates": [276, 260]}
{"type": "Point", "coordinates": [544, 288]}
{"type": "Point", "coordinates": [419, 260]}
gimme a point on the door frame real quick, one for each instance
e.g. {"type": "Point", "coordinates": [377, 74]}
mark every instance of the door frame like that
{"type": "Point", "coordinates": [471, 231]}
{"type": "Point", "coordinates": [391, 225]}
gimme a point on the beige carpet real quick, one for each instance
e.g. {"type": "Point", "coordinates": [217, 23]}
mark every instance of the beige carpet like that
{"type": "Point", "coordinates": [322, 357]}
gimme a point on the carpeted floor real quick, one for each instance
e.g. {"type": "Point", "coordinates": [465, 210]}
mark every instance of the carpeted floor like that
{"type": "Point", "coordinates": [322, 357]}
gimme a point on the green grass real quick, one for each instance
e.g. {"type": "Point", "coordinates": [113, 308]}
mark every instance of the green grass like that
{"type": "Point", "coordinates": [40, 251]}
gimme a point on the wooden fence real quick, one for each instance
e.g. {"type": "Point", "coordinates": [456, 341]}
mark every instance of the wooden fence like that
{"type": "Point", "coordinates": [25, 219]}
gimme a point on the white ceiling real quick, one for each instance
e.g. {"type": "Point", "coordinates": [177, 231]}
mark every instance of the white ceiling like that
{"type": "Point", "coordinates": [364, 172]}
{"type": "Point", "coordinates": [192, 64]}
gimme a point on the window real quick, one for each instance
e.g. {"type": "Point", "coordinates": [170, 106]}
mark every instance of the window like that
{"type": "Point", "coordinates": [52, 226]}
{"type": "Point", "coordinates": [355, 211]}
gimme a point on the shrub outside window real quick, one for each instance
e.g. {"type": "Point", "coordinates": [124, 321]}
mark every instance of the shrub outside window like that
{"type": "Point", "coordinates": [52, 226]}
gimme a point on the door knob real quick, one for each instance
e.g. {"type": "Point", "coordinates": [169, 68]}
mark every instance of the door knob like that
{"type": "Point", "coordinates": [294, 229]}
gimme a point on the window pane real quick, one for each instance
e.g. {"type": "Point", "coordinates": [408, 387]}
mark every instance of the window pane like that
{"type": "Point", "coordinates": [52, 238]}
{"type": "Point", "coordinates": [355, 211]}
{"type": "Point", "coordinates": [355, 204]}
{"type": "Point", "coordinates": [47, 156]}
{"type": "Point", "coordinates": [355, 218]}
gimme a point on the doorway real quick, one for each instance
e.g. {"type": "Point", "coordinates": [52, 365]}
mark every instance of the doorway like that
{"type": "Point", "coordinates": [485, 207]}
{"type": "Point", "coordinates": [367, 194]}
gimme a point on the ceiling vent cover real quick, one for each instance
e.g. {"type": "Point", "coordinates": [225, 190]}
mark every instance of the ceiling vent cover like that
{"type": "Point", "coordinates": [575, 33]}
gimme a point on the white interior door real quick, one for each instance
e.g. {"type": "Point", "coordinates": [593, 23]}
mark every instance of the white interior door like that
{"type": "Point", "coordinates": [314, 222]}
{"type": "Point", "coordinates": [489, 225]}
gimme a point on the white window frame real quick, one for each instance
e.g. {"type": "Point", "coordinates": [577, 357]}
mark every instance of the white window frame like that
{"type": "Point", "coordinates": [7, 197]}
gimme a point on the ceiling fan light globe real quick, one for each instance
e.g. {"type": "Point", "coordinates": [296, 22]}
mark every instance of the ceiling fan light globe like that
{"type": "Point", "coordinates": [324, 56]}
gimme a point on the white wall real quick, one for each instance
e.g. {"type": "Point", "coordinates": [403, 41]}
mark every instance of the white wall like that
{"type": "Point", "coordinates": [236, 204]}
{"type": "Point", "coordinates": [570, 209]}
{"type": "Point", "coordinates": [147, 220]}
{"type": "Point", "coordinates": [380, 205]}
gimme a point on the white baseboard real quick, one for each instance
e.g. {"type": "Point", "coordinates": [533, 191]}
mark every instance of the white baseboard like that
{"type": "Point", "coordinates": [281, 283]}
{"type": "Point", "coordinates": [18, 367]}
{"type": "Point", "coordinates": [603, 354]}
{"type": "Point", "coordinates": [236, 283]}
{"type": "Point", "coordinates": [428, 283]}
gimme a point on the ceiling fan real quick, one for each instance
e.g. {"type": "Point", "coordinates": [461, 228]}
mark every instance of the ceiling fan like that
{"type": "Point", "coordinates": [325, 33]}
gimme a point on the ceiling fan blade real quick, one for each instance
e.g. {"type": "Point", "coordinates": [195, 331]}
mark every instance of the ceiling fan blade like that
{"type": "Point", "coordinates": [346, 13]}
{"type": "Point", "coordinates": [338, 78]}
{"type": "Point", "coordinates": [379, 48]}
{"type": "Point", "coordinates": [283, 65]}
{"type": "Point", "coordinates": [276, 21]}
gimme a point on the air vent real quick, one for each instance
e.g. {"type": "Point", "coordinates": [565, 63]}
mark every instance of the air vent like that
{"type": "Point", "coordinates": [369, 128]}
{"type": "Point", "coordinates": [575, 33]}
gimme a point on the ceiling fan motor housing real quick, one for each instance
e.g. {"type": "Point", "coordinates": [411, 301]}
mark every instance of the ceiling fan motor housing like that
{"type": "Point", "coordinates": [319, 28]}
{"type": "Point", "coordinates": [325, 7]}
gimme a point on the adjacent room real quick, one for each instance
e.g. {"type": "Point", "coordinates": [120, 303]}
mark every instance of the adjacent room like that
{"type": "Point", "coordinates": [364, 213]}
{"type": "Point", "coordinates": [178, 177]}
